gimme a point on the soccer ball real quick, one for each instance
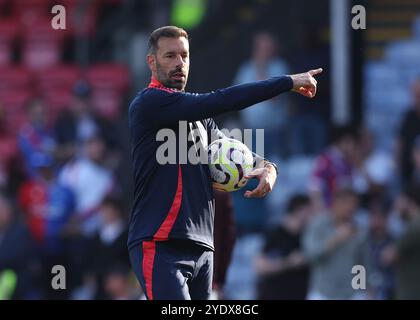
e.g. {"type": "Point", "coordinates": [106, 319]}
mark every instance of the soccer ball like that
{"type": "Point", "coordinates": [229, 162]}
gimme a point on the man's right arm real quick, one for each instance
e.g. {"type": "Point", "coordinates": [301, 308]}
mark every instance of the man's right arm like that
{"type": "Point", "coordinates": [178, 106]}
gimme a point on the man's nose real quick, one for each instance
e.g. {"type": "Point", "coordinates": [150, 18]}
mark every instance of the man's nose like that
{"type": "Point", "coordinates": [179, 61]}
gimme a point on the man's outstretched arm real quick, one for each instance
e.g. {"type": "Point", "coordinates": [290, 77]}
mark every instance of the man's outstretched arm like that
{"type": "Point", "coordinates": [192, 107]}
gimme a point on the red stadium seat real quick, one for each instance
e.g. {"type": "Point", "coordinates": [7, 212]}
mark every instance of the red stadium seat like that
{"type": "Point", "coordinates": [15, 78]}
{"type": "Point", "coordinates": [41, 55]}
{"type": "Point", "coordinates": [9, 29]}
{"type": "Point", "coordinates": [107, 103]}
{"type": "Point", "coordinates": [109, 82]}
{"type": "Point", "coordinates": [72, 3]}
{"type": "Point", "coordinates": [3, 4]}
{"type": "Point", "coordinates": [39, 29]}
{"type": "Point", "coordinates": [14, 100]}
{"type": "Point", "coordinates": [6, 52]}
{"type": "Point", "coordinates": [59, 77]}
{"type": "Point", "coordinates": [32, 7]}
{"type": "Point", "coordinates": [82, 17]}
{"type": "Point", "coordinates": [8, 149]}
{"type": "Point", "coordinates": [38, 4]}
{"type": "Point", "coordinates": [58, 100]}
{"type": "Point", "coordinates": [41, 45]}
{"type": "Point", "coordinates": [13, 103]}
{"type": "Point", "coordinates": [8, 33]}
{"type": "Point", "coordinates": [108, 77]}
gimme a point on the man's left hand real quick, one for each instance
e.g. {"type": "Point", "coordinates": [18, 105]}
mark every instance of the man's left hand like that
{"type": "Point", "coordinates": [267, 177]}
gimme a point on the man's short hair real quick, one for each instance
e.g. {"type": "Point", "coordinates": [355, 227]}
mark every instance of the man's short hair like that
{"type": "Point", "coordinates": [167, 32]}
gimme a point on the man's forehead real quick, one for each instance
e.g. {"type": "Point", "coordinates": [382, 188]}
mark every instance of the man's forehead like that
{"type": "Point", "coordinates": [166, 44]}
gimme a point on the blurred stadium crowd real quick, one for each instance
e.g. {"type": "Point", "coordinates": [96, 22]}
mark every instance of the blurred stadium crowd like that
{"type": "Point", "coordinates": [346, 195]}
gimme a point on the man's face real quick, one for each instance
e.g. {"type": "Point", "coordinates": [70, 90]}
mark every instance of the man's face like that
{"type": "Point", "coordinates": [170, 64]}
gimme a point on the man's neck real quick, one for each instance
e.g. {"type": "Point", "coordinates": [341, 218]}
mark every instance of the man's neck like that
{"type": "Point", "coordinates": [154, 83]}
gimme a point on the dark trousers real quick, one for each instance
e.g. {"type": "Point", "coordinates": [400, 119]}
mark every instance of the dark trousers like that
{"type": "Point", "coordinates": [173, 269]}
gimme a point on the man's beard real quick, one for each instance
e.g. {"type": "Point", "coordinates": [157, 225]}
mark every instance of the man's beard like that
{"type": "Point", "coordinates": [167, 81]}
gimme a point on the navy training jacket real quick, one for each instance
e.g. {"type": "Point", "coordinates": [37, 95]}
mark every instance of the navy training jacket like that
{"type": "Point", "coordinates": [175, 201]}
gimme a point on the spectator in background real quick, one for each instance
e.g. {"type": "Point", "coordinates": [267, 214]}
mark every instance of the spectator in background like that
{"type": "Point", "coordinates": [118, 285]}
{"type": "Point", "coordinates": [48, 206]}
{"type": "Point", "coordinates": [406, 253]}
{"type": "Point", "coordinates": [224, 240]}
{"type": "Point", "coordinates": [333, 169]}
{"type": "Point", "coordinates": [270, 115]}
{"type": "Point", "coordinates": [109, 245]}
{"type": "Point", "coordinates": [373, 169]}
{"type": "Point", "coordinates": [380, 271]}
{"type": "Point", "coordinates": [410, 129]}
{"type": "Point", "coordinates": [282, 267]}
{"type": "Point", "coordinates": [90, 181]}
{"type": "Point", "coordinates": [36, 139]}
{"type": "Point", "coordinates": [333, 245]}
{"type": "Point", "coordinates": [80, 124]}
{"type": "Point", "coordinates": [309, 119]}
{"type": "Point", "coordinates": [16, 253]}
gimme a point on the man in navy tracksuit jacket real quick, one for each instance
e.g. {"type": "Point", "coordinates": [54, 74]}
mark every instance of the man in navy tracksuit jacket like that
{"type": "Point", "coordinates": [171, 226]}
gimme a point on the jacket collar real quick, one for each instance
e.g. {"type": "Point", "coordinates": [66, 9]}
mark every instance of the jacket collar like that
{"type": "Point", "coordinates": [154, 83]}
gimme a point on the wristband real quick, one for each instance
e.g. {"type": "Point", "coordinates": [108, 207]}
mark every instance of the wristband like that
{"type": "Point", "coordinates": [274, 165]}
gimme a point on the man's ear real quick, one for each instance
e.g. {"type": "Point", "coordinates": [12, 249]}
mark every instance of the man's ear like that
{"type": "Point", "coordinates": [151, 61]}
